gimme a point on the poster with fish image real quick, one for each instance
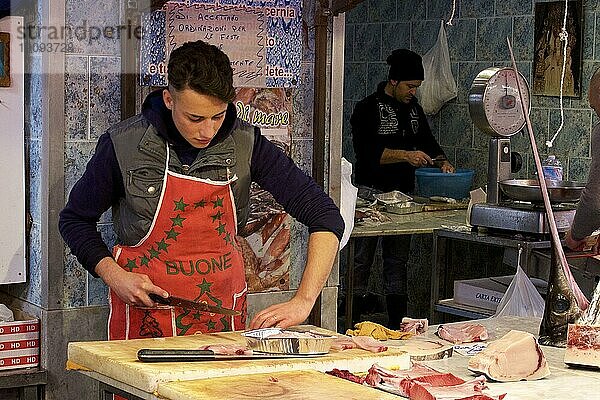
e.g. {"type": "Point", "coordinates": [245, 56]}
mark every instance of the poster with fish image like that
{"type": "Point", "coordinates": [267, 234]}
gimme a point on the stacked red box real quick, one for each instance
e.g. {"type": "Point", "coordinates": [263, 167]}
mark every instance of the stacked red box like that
{"type": "Point", "coordinates": [20, 342]}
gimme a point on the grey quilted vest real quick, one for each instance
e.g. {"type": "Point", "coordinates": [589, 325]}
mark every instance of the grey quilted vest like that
{"type": "Point", "coordinates": [141, 154]}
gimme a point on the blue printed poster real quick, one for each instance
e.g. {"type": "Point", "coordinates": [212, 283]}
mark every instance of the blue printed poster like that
{"type": "Point", "coordinates": [263, 39]}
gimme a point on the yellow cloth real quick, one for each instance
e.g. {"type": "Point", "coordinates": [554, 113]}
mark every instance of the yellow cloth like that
{"type": "Point", "coordinates": [377, 331]}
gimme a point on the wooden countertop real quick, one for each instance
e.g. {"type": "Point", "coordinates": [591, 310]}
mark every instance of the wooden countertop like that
{"type": "Point", "coordinates": [117, 360]}
{"type": "Point", "coordinates": [297, 383]}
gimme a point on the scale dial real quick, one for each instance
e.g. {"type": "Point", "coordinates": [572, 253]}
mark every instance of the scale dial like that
{"type": "Point", "coordinates": [494, 102]}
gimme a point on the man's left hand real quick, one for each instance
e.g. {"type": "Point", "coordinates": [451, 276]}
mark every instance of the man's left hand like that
{"type": "Point", "coordinates": [282, 315]}
{"type": "Point", "coordinates": [446, 167]}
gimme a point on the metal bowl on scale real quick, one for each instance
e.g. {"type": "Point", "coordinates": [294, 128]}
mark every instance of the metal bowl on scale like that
{"type": "Point", "coordinates": [529, 190]}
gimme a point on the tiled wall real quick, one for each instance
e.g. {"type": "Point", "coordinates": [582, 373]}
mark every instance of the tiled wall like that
{"type": "Point", "coordinates": [477, 40]}
{"type": "Point", "coordinates": [92, 104]}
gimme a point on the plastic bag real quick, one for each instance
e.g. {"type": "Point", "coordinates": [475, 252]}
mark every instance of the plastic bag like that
{"type": "Point", "coordinates": [521, 298]}
{"type": "Point", "coordinates": [439, 85]}
{"type": "Point", "coordinates": [348, 201]}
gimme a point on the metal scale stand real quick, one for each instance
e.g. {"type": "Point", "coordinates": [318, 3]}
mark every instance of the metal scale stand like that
{"type": "Point", "coordinates": [495, 108]}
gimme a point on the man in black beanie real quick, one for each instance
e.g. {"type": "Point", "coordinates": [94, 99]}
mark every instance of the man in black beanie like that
{"type": "Point", "coordinates": [391, 138]}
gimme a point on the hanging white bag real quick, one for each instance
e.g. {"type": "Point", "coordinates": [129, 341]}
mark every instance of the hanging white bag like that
{"type": "Point", "coordinates": [521, 299]}
{"type": "Point", "coordinates": [439, 85]}
{"type": "Point", "coordinates": [347, 201]}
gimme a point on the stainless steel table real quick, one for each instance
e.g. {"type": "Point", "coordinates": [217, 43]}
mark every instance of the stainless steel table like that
{"type": "Point", "coordinates": [442, 271]}
{"type": "Point", "coordinates": [405, 224]}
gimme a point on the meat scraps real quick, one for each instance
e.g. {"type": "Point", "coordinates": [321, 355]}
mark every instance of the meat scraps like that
{"type": "Point", "coordinates": [228, 349]}
{"type": "Point", "coordinates": [421, 382]}
{"type": "Point", "coordinates": [401, 380]}
{"type": "Point", "coordinates": [471, 390]}
{"type": "Point", "coordinates": [360, 342]}
{"type": "Point", "coordinates": [514, 357]}
{"type": "Point", "coordinates": [463, 333]}
{"type": "Point", "coordinates": [345, 374]}
{"type": "Point", "coordinates": [414, 326]}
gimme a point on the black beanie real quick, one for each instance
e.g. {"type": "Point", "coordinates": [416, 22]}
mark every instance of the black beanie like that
{"type": "Point", "coordinates": [405, 65]}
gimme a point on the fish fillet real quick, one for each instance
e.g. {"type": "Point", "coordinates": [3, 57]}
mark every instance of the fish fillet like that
{"type": "Point", "coordinates": [515, 356]}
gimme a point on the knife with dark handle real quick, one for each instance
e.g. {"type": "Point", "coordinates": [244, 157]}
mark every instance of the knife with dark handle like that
{"type": "Point", "coordinates": [191, 305]}
{"type": "Point", "coordinates": [184, 355]}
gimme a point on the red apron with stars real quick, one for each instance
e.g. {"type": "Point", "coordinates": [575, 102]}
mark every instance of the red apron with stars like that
{"type": "Point", "coordinates": [191, 252]}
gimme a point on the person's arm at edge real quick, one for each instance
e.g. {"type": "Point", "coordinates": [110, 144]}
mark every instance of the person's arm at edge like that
{"type": "Point", "coordinates": [587, 217]}
{"type": "Point", "coordinates": [92, 195]}
{"type": "Point", "coordinates": [322, 249]}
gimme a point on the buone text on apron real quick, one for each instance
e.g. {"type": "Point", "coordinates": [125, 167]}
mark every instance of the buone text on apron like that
{"type": "Point", "coordinates": [191, 252]}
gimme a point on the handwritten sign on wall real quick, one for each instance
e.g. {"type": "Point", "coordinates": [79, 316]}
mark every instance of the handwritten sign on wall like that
{"type": "Point", "coordinates": [262, 41]}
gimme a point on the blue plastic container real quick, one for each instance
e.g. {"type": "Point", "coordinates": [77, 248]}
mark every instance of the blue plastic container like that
{"type": "Point", "coordinates": [434, 182]}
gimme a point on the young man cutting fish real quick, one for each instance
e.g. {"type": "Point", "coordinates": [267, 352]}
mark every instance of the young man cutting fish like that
{"type": "Point", "coordinates": [177, 177]}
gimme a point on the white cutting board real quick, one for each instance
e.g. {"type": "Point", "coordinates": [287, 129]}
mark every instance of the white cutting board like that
{"type": "Point", "coordinates": [118, 360]}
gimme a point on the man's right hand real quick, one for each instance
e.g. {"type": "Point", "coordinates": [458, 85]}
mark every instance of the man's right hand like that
{"type": "Point", "coordinates": [418, 158]}
{"type": "Point", "coordinates": [132, 288]}
{"type": "Point", "coordinates": [587, 244]}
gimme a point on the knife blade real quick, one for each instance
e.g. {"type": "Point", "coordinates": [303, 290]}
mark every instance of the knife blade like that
{"type": "Point", "coordinates": [191, 305]}
{"type": "Point", "coordinates": [175, 355]}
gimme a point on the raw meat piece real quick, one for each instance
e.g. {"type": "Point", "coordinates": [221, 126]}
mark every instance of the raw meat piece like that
{"type": "Point", "coordinates": [401, 380]}
{"type": "Point", "coordinates": [471, 390]}
{"type": "Point", "coordinates": [368, 343]}
{"type": "Point", "coordinates": [412, 386]}
{"type": "Point", "coordinates": [463, 333]}
{"type": "Point", "coordinates": [227, 349]}
{"type": "Point", "coordinates": [378, 374]}
{"type": "Point", "coordinates": [362, 342]}
{"type": "Point", "coordinates": [345, 374]}
{"type": "Point", "coordinates": [343, 343]}
{"type": "Point", "coordinates": [414, 326]}
{"type": "Point", "coordinates": [514, 357]}
{"type": "Point", "coordinates": [583, 345]}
